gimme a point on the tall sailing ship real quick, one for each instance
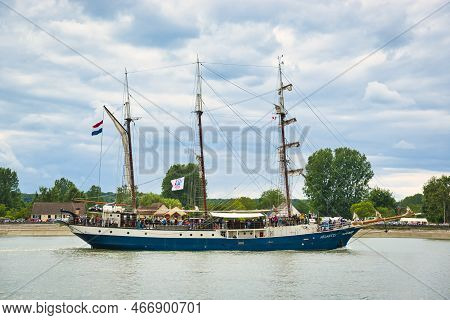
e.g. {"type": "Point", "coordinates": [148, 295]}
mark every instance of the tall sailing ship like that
{"type": "Point", "coordinates": [218, 230]}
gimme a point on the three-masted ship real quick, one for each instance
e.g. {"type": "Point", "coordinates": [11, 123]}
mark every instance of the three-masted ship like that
{"type": "Point", "coordinates": [121, 230]}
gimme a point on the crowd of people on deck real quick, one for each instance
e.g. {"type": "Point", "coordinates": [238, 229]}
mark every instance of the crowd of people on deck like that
{"type": "Point", "coordinates": [278, 221]}
{"type": "Point", "coordinates": [333, 223]}
{"type": "Point", "coordinates": [131, 221]}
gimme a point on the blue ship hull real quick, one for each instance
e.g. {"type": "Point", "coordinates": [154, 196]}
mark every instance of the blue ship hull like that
{"type": "Point", "coordinates": [327, 240]}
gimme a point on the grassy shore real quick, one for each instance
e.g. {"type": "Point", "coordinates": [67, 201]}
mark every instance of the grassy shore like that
{"type": "Point", "coordinates": [49, 229]}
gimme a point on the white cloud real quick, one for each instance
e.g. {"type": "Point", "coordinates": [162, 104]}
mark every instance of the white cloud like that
{"type": "Point", "coordinates": [379, 93]}
{"type": "Point", "coordinates": [8, 159]}
{"type": "Point", "coordinates": [415, 120]}
{"type": "Point", "coordinates": [404, 182]}
{"type": "Point", "coordinates": [402, 144]}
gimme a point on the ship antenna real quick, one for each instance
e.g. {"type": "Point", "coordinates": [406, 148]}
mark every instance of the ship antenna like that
{"type": "Point", "coordinates": [199, 112]}
{"type": "Point", "coordinates": [128, 120]}
{"type": "Point", "coordinates": [281, 111]}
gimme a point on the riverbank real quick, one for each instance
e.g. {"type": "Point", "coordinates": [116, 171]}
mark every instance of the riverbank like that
{"type": "Point", "coordinates": [50, 229]}
{"type": "Point", "coordinates": [416, 233]}
{"type": "Point", "coordinates": [38, 229]}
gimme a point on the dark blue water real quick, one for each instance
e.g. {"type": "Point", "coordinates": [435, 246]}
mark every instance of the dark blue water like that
{"type": "Point", "coordinates": [64, 268]}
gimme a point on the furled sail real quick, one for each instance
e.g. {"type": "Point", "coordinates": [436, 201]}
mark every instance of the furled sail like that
{"type": "Point", "coordinates": [124, 136]}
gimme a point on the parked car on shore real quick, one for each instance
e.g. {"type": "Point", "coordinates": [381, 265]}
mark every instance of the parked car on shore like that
{"type": "Point", "coordinates": [5, 220]}
{"type": "Point", "coordinates": [95, 208]}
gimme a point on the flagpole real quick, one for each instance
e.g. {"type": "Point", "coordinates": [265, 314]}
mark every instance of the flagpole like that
{"type": "Point", "coordinates": [101, 152]}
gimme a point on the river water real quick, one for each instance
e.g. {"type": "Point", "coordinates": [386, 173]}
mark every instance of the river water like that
{"type": "Point", "coordinates": [65, 268]}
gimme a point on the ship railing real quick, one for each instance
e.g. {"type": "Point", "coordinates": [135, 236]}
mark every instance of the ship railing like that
{"type": "Point", "coordinates": [240, 225]}
{"type": "Point", "coordinates": [168, 227]}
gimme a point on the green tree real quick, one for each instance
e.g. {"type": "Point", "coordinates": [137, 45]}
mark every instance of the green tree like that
{"type": "Point", "coordinates": [382, 198]}
{"type": "Point", "coordinates": [271, 198]}
{"type": "Point", "coordinates": [17, 213]}
{"type": "Point", "coordinates": [302, 205]}
{"type": "Point", "coordinates": [123, 195]}
{"type": "Point", "coordinates": [9, 189]}
{"type": "Point", "coordinates": [44, 195]}
{"type": "Point", "coordinates": [94, 192]}
{"type": "Point", "coordinates": [218, 204]}
{"type": "Point", "coordinates": [148, 199]}
{"type": "Point", "coordinates": [363, 209]}
{"type": "Point", "coordinates": [236, 204]}
{"type": "Point", "coordinates": [413, 202]}
{"type": "Point", "coordinates": [3, 210]}
{"type": "Point", "coordinates": [247, 203]}
{"type": "Point", "coordinates": [386, 212]}
{"type": "Point", "coordinates": [171, 203]}
{"type": "Point", "coordinates": [28, 197]}
{"type": "Point", "coordinates": [63, 190]}
{"type": "Point", "coordinates": [191, 195]}
{"type": "Point", "coordinates": [336, 180]}
{"type": "Point", "coordinates": [436, 199]}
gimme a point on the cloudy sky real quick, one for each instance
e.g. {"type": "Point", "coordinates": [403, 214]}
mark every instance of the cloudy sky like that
{"type": "Point", "coordinates": [393, 106]}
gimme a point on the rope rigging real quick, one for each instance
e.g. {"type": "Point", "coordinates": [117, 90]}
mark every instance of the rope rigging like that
{"type": "Point", "coordinates": [190, 145]}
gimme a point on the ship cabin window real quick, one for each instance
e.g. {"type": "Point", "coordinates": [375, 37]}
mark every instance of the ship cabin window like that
{"type": "Point", "coordinates": [181, 234]}
{"type": "Point", "coordinates": [212, 235]}
{"type": "Point", "coordinates": [99, 230]}
{"type": "Point", "coordinates": [201, 234]}
{"type": "Point", "coordinates": [128, 232]}
{"type": "Point", "coordinates": [191, 234]}
{"type": "Point", "coordinates": [110, 231]}
{"type": "Point", "coordinates": [146, 233]}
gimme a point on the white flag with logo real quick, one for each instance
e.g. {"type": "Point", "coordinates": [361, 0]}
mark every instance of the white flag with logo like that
{"type": "Point", "coordinates": [177, 184]}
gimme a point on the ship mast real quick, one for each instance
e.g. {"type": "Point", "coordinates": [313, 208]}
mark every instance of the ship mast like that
{"type": "Point", "coordinates": [281, 111]}
{"type": "Point", "coordinates": [199, 112]}
{"type": "Point", "coordinates": [128, 120]}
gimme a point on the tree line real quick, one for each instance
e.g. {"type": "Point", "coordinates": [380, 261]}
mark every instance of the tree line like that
{"type": "Point", "coordinates": [337, 183]}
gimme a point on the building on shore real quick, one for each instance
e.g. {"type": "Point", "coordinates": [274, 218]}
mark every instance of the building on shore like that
{"type": "Point", "coordinates": [49, 211]}
{"type": "Point", "coordinates": [175, 213]}
{"type": "Point", "coordinates": [155, 209]}
{"type": "Point", "coordinates": [159, 210]}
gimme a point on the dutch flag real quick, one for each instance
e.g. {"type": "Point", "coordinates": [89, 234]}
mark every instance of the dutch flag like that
{"type": "Point", "coordinates": [97, 128]}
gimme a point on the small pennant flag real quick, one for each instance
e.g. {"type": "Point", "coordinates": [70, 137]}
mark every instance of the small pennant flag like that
{"type": "Point", "coordinates": [177, 184]}
{"type": "Point", "coordinates": [98, 127]}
